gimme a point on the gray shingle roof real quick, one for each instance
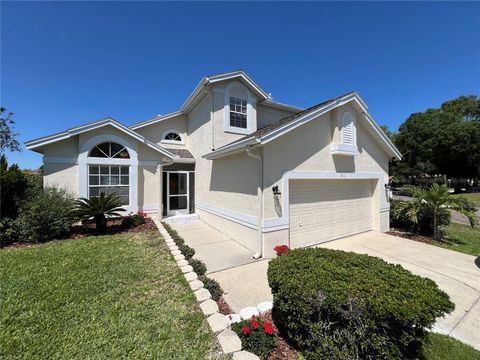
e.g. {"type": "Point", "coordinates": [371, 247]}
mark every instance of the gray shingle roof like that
{"type": "Point", "coordinates": [182, 153]}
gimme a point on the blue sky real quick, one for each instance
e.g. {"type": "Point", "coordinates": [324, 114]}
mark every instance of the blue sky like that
{"type": "Point", "coordinates": [67, 63]}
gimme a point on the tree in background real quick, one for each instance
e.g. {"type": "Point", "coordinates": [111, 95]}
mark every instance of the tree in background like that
{"type": "Point", "coordinates": [444, 141]}
{"type": "Point", "coordinates": [8, 139]}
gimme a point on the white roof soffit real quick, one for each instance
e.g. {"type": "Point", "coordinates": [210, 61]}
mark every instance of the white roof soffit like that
{"type": "Point", "coordinates": [264, 139]}
{"type": "Point", "coordinates": [222, 77]}
{"type": "Point", "coordinates": [36, 144]}
{"type": "Point", "coordinates": [155, 120]}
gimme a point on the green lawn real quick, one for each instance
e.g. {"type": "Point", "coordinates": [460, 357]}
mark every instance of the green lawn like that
{"type": "Point", "coordinates": [462, 238]}
{"type": "Point", "coordinates": [108, 297]}
{"type": "Point", "coordinates": [472, 196]}
{"type": "Point", "coordinates": [441, 347]}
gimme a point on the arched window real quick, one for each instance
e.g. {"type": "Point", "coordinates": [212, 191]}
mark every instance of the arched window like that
{"type": "Point", "coordinates": [109, 150]}
{"type": "Point", "coordinates": [238, 109]}
{"type": "Point", "coordinates": [172, 137]}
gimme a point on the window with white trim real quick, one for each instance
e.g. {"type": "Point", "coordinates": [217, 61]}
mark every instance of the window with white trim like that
{"type": "Point", "coordinates": [238, 112]}
{"type": "Point", "coordinates": [172, 136]}
{"type": "Point", "coordinates": [109, 179]}
{"type": "Point", "coordinates": [109, 150]}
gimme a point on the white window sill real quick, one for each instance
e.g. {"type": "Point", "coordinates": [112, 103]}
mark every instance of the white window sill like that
{"type": "Point", "coordinates": [236, 130]}
{"type": "Point", "coordinates": [343, 149]}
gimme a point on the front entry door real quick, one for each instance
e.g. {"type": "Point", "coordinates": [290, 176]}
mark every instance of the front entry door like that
{"type": "Point", "coordinates": [177, 192]}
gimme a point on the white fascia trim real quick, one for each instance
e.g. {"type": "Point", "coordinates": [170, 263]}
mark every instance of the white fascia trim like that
{"type": "Point", "coordinates": [281, 106]}
{"type": "Point", "coordinates": [228, 149]}
{"type": "Point", "coordinates": [31, 145]}
{"type": "Point", "coordinates": [383, 136]}
{"type": "Point", "coordinates": [283, 222]}
{"type": "Point", "coordinates": [155, 120]}
{"type": "Point", "coordinates": [221, 77]}
{"type": "Point", "coordinates": [180, 160]}
{"type": "Point", "coordinates": [232, 215]}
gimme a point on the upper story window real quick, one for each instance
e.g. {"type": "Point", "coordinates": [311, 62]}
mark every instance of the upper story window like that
{"type": "Point", "coordinates": [238, 112]}
{"type": "Point", "coordinates": [109, 150]}
{"type": "Point", "coordinates": [172, 137]}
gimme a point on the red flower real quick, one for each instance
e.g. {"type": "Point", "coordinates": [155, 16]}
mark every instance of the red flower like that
{"type": "Point", "coordinates": [254, 324]}
{"type": "Point", "coordinates": [268, 328]}
{"type": "Point", "coordinates": [281, 249]}
{"type": "Point", "coordinates": [245, 330]}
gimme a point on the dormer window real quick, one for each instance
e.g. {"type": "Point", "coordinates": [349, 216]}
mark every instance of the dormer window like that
{"type": "Point", "coordinates": [238, 112]}
{"type": "Point", "coordinates": [172, 137]}
{"type": "Point", "coordinates": [239, 109]}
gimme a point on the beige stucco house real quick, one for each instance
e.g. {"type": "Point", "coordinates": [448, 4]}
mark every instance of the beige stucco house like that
{"type": "Point", "coordinates": [262, 172]}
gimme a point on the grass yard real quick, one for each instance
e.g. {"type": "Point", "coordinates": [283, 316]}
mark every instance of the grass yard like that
{"type": "Point", "coordinates": [472, 196]}
{"type": "Point", "coordinates": [462, 238]}
{"type": "Point", "coordinates": [117, 296]}
{"type": "Point", "coordinates": [441, 347]}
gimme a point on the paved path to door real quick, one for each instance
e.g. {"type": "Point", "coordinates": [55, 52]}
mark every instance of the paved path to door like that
{"type": "Point", "coordinates": [216, 250]}
{"type": "Point", "coordinates": [244, 280]}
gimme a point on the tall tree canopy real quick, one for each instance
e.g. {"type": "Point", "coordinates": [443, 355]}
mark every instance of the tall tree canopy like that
{"type": "Point", "coordinates": [8, 139]}
{"type": "Point", "coordinates": [444, 141]}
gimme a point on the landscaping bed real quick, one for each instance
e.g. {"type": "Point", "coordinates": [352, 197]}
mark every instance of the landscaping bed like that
{"type": "Point", "coordinates": [111, 296]}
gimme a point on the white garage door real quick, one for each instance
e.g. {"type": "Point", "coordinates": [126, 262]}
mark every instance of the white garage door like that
{"type": "Point", "coordinates": [323, 210]}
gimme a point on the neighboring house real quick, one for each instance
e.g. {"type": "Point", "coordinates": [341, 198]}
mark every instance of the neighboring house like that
{"type": "Point", "coordinates": [262, 172]}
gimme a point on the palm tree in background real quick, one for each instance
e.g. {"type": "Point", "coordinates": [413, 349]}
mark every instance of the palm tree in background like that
{"type": "Point", "coordinates": [436, 199]}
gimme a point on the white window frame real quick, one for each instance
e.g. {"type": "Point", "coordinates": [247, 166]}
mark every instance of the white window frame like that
{"type": "Point", "coordinates": [99, 185]}
{"type": "Point", "coordinates": [84, 161]}
{"type": "Point", "coordinates": [251, 103]}
{"type": "Point", "coordinates": [166, 141]}
{"type": "Point", "coordinates": [234, 111]}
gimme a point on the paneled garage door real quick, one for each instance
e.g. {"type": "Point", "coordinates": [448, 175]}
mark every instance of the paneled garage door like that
{"type": "Point", "coordinates": [323, 210]}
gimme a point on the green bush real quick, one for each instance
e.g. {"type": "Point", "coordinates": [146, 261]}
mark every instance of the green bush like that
{"type": "Point", "coordinates": [198, 266]}
{"type": "Point", "coordinates": [186, 250]}
{"type": "Point", "coordinates": [45, 216]}
{"type": "Point", "coordinates": [337, 305]}
{"type": "Point", "coordinates": [213, 286]}
{"type": "Point", "coordinates": [425, 220]}
{"type": "Point", "coordinates": [8, 232]}
{"type": "Point", "coordinates": [133, 220]}
{"type": "Point", "coordinates": [257, 336]}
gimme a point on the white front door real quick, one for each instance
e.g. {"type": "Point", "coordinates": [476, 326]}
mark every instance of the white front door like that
{"type": "Point", "coordinates": [177, 192]}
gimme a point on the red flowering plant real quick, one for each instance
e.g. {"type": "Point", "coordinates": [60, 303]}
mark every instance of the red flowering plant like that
{"type": "Point", "coordinates": [257, 336]}
{"type": "Point", "coordinates": [281, 249]}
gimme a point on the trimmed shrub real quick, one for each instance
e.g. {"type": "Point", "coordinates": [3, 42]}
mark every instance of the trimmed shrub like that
{"type": "Point", "coordinates": [46, 215]}
{"type": "Point", "coordinates": [186, 250]}
{"type": "Point", "coordinates": [8, 232]}
{"type": "Point", "coordinates": [257, 336]}
{"type": "Point", "coordinates": [425, 220]}
{"type": "Point", "coordinates": [333, 304]}
{"type": "Point", "coordinates": [177, 239]}
{"type": "Point", "coordinates": [198, 266]}
{"type": "Point", "coordinates": [213, 286]}
{"type": "Point", "coordinates": [133, 220]}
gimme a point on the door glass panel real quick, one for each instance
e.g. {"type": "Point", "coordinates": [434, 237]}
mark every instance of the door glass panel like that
{"type": "Point", "coordinates": [178, 202]}
{"type": "Point", "coordinates": [173, 183]}
{"type": "Point", "coordinates": [182, 183]}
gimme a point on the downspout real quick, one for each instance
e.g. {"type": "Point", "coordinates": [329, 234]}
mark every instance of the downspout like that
{"type": "Point", "coordinates": [259, 253]}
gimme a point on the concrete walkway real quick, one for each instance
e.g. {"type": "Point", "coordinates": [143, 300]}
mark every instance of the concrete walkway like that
{"type": "Point", "coordinates": [244, 280]}
{"type": "Point", "coordinates": [216, 250]}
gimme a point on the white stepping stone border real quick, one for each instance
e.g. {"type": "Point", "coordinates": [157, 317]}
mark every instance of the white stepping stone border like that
{"type": "Point", "coordinates": [229, 341]}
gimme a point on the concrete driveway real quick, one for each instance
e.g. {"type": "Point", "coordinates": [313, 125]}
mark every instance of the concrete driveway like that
{"type": "Point", "coordinates": [244, 280]}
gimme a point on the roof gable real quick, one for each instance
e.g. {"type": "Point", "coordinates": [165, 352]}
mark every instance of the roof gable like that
{"type": "Point", "coordinates": [37, 144]}
{"type": "Point", "coordinates": [281, 127]}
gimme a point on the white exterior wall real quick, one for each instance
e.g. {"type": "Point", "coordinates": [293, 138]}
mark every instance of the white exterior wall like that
{"type": "Point", "coordinates": [154, 132]}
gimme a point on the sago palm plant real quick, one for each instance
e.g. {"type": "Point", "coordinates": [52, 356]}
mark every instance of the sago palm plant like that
{"type": "Point", "coordinates": [436, 199]}
{"type": "Point", "coordinates": [99, 209]}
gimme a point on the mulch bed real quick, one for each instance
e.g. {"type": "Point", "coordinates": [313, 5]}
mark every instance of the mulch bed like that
{"type": "Point", "coordinates": [283, 351]}
{"type": "Point", "coordinates": [113, 227]}
{"type": "Point", "coordinates": [223, 307]}
{"type": "Point", "coordinates": [412, 236]}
